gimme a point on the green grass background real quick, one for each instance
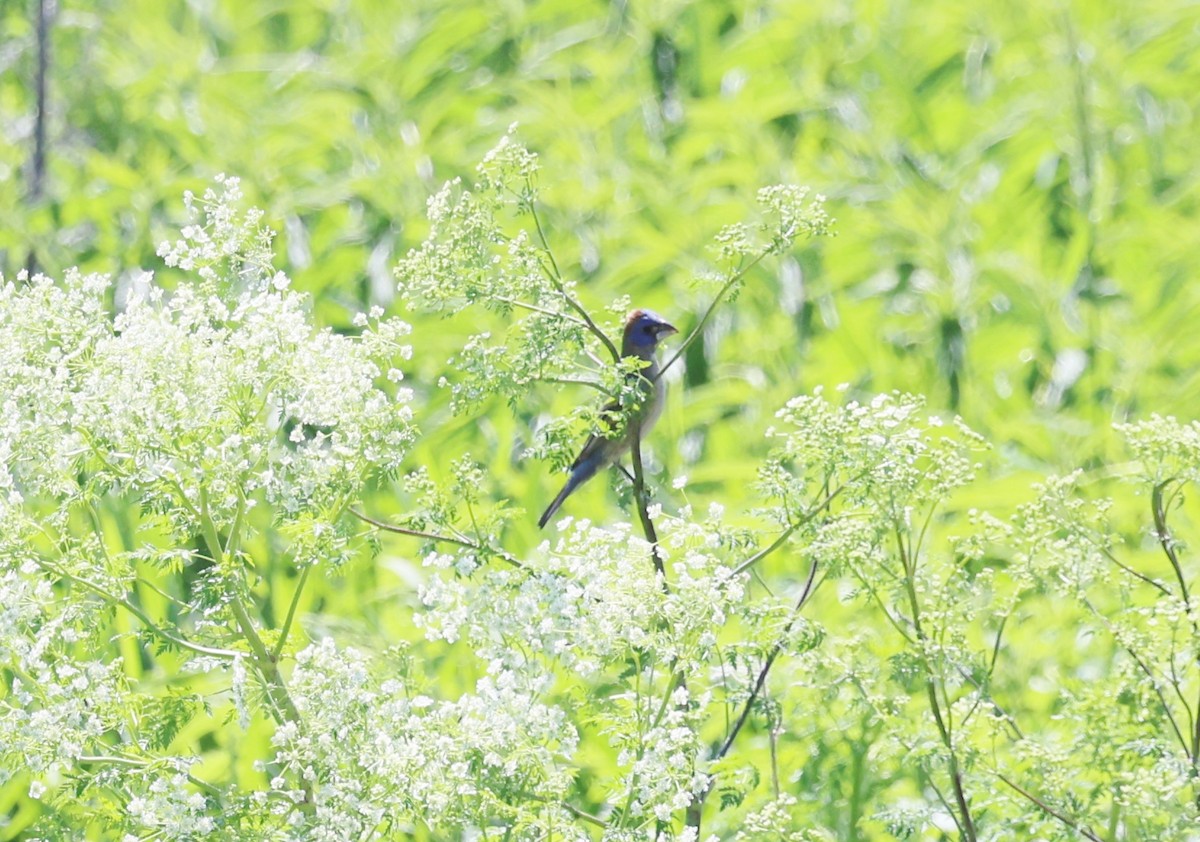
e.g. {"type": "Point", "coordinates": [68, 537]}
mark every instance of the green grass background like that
{"type": "Point", "coordinates": [1015, 186]}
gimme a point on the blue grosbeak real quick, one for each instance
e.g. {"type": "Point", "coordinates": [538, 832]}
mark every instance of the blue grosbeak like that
{"type": "Point", "coordinates": [643, 330]}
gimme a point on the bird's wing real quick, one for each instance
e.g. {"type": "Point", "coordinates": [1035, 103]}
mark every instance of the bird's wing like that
{"type": "Point", "coordinates": [611, 410]}
{"type": "Point", "coordinates": [596, 440]}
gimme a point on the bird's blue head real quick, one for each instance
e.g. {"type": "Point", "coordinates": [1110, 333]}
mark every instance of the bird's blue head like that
{"type": "Point", "coordinates": [643, 329]}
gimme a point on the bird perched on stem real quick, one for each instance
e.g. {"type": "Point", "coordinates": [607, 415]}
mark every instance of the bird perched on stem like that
{"type": "Point", "coordinates": [643, 330]}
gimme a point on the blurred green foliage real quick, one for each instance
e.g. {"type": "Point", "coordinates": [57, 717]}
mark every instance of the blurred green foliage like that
{"type": "Point", "coordinates": [1015, 186]}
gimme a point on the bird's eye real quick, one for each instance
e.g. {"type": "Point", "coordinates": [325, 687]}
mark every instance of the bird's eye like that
{"type": "Point", "coordinates": [648, 330]}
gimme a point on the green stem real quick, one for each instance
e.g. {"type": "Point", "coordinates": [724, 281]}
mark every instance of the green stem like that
{"type": "Point", "coordinates": [944, 729]}
{"type": "Point", "coordinates": [1167, 541]}
{"type": "Point", "coordinates": [283, 708]}
{"type": "Point", "coordinates": [291, 614]}
{"type": "Point", "coordinates": [533, 308]}
{"type": "Point", "coordinates": [118, 760]}
{"type": "Point", "coordinates": [676, 680]}
{"type": "Point", "coordinates": [133, 609]}
{"type": "Point", "coordinates": [584, 816]}
{"type": "Point", "coordinates": [643, 508]}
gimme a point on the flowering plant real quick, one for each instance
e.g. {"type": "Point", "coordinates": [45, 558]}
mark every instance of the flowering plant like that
{"type": "Point", "coordinates": [174, 478]}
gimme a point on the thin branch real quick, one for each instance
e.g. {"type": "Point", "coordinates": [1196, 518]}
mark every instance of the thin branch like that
{"type": "Point", "coordinates": [1163, 589]}
{"type": "Point", "coordinates": [118, 760]}
{"type": "Point", "coordinates": [984, 696]}
{"type": "Point", "coordinates": [234, 541]}
{"type": "Point", "coordinates": [576, 381]}
{"type": "Point", "coordinates": [584, 816]}
{"type": "Point", "coordinates": [678, 679]}
{"type": "Point", "coordinates": [437, 538]}
{"type": "Point", "coordinates": [696, 808]}
{"type": "Point", "coordinates": [944, 725]}
{"type": "Point", "coordinates": [133, 609]}
{"type": "Point", "coordinates": [639, 496]}
{"type": "Point", "coordinates": [1145, 668]}
{"type": "Point", "coordinates": [766, 668]}
{"type": "Point", "coordinates": [778, 542]}
{"type": "Point", "coordinates": [1195, 735]}
{"type": "Point", "coordinates": [1177, 685]}
{"type": "Point", "coordinates": [941, 797]}
{"type": "Point", "coordinates": [691, 337]}
{"type": "Point", "coordinates": [1046, 808]}
{"type": "Point", "coordinates": [129, 605]}
{"type": "Point", "coordinates": [533, 308]}
{"type": "Point", "coordinates": [1167, 541]}
{"type": "Point", "coordinates": [900, 629]}
{"type": "Point", "coordinates": [556, 279]}
{"type": "Point", "coordinates": [996, 644]}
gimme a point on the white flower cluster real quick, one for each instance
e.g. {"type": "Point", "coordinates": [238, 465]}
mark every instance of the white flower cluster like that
{"type": "Point", "coordinates": [47, 333]}
{"type": "Point", "coordinates": [884, 451]}
{"type": "Point", "coordinates": [588, 601]}
{"type": "Point", "coordinates": [665, 771]}
{"type": "Point", "coordinates": [375, 752]}
{"type": "Point", "coordinates": [168, 806]}
{"type": "Point", "coordinates": [1169, 449]}
{"type": "Point", "coordinates": [186, 411]}
{"type": "Point", "coordinates": [773, 820]}
{"type": "Point", "coordinates": [203, 401]}
{"type": "Point", "coordinates": [588, 606]}
{"type": "Point", "coordinates": [62, 710]}
{"type": "Point", "coordinates": [221, 244]}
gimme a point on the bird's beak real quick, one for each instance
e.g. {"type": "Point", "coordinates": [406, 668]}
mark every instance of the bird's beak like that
{"type": "Point", "coordinates": [667, 330]}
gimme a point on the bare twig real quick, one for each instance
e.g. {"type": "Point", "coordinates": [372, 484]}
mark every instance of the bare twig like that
{"type": "Point", "coordinates": [437, 538]}
{"type": "Point", "coordinates": [37, 170]}
{"type": "Point", "coordinates": [691, 337]}
{"type": "Point", "coordinates": [783, 536]}
{"type": "Point", "coordinates": [1046, 808]}
{"type": "Point", "coordinates": [766, 667]}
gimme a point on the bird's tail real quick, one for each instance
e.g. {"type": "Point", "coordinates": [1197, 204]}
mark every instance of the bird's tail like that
{"type": "Point", "coordinates": [571, 484]}
{"type": "Point", "coordinates": [583, 471]}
